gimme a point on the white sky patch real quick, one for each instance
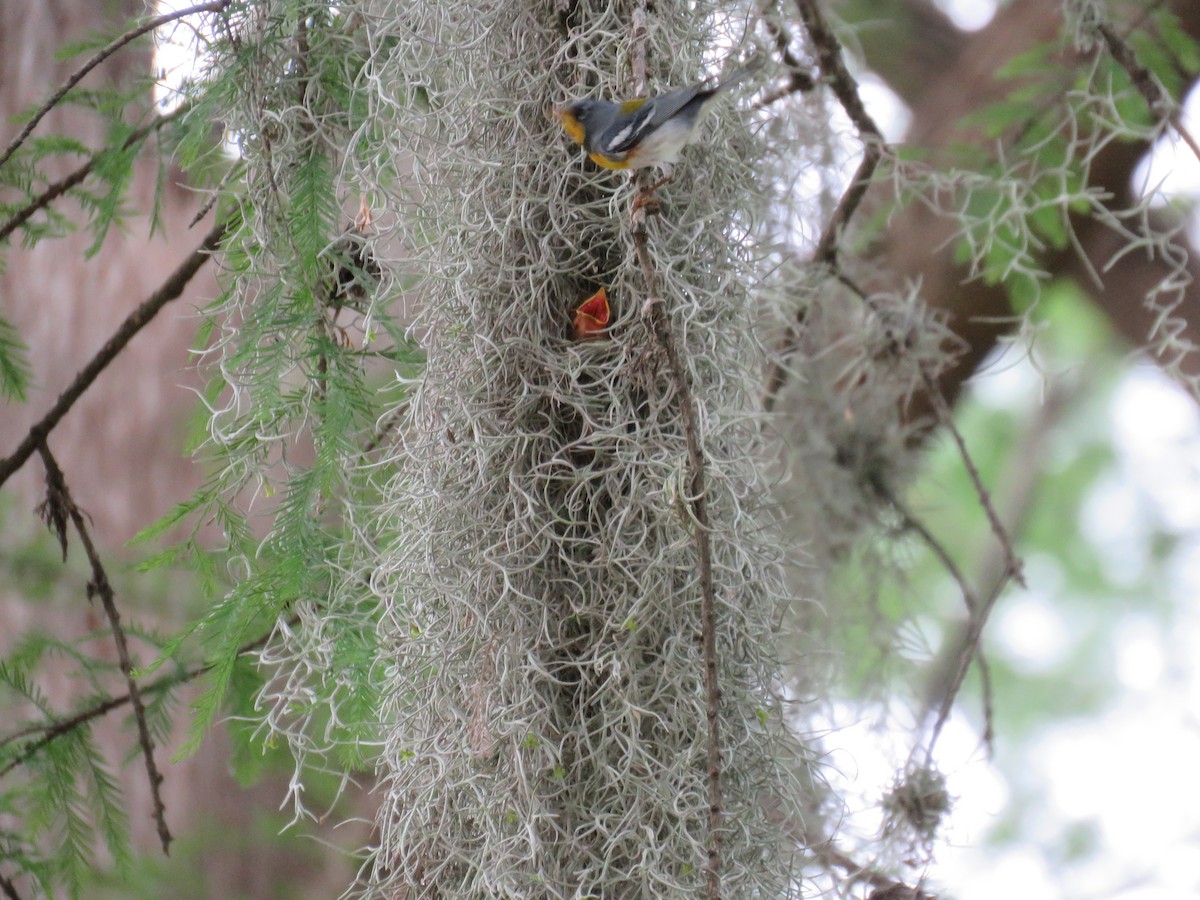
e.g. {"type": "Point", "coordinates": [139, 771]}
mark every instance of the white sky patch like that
{"type": "Point", "coordinates": [1171, 170]}
{"type": "Point", "coordinates": [1116, 520]}
{"type": "Point", "coordinates": [969, 15]}
{"type": "Point", "coordinates": [1032, 632]}
{"type": "Point", "coordinates": [1156, 429]}
{"type": "Point", "coordinates": [1008, 380]}
{"type": "Point", "coordinates": [884, 105]}
{"type": "Point", "coordinates": [1131, 773]}
{"type": "Point", "coordinates": [178, 54]}
{"type": "Point", "coordinates": [1140, 654]}
{"type": "Point", "coordinates": [999, 875]}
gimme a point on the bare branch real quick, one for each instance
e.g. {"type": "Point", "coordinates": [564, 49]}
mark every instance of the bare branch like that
{"type": "Point", "coordinates": [135, 322]}
{"type": "Point", "coordinates": [1162, 107]}
{"type": "Point", "coordinates": [101, 56]}
{"type": "Point", "coordinates": [949, 668]}
{"type": "Point", "coordinates": [654, 310]}
{"type": "Point", "coordinates": [970, 600]}
{"type": "Point", "coordinates": [51, 731]}
{"type": "Point", "coordinates": [800, 79]}
{"type": "Point", "coordinates": [845, 88]}
{"type": "Point", "coordinates": [10, 890]}
{"type": "Point", "coordinates": [58, 503]}
{"type": "Point", "coordinates": [946, 417]}
{"type": "Point", "coordinates": [833, 858]}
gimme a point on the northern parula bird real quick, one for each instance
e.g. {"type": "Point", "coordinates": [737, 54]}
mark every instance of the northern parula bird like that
{"type": "Point", "coordinates": [648, 131]}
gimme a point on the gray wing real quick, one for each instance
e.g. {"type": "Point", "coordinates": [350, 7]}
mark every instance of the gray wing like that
{"type": "Point", "coordinates": [623, 135]}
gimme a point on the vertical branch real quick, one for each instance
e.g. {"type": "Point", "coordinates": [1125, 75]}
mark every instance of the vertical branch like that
{"type": "Point", "coordinates": [56, 509]}
{"type": "Point", "coordinates": [834, 73]}
{"type": "Point", "coordinates": [655, 312]}
{"type": "Point", "coordinates": [946, 418]}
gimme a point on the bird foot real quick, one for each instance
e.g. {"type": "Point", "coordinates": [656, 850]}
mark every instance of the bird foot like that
{"type": "Point", "coordinates": [647, 201]}
{"type": "Point", "coordinates": [647, 198]}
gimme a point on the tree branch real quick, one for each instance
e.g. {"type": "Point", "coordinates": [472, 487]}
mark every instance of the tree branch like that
{"type": "Point", "coordinates": [1162, 107]}
{"type": "Point", "coordinates": [845, 88]}
{"type": "Point", "coordinates": [51, 731]}
{"type": "Point", "coordinates": [800, 79]}
{"type": "Point", "coordinates": [99, 57]}
{"type": "Point", "coordinates": [57, 507]}
{"type": "Point", "coordinates": [949, 668]}
{"type": "Point", "coordinates": [655, 312]}
{"type": "Point", "coordinates": [135, 322]}
{"type": "Point", "coordinates": [946, 419]}
{"type": "Point", "coordinates": [60, 187]}
{"type": "Point", "coordinates": [10, 889]}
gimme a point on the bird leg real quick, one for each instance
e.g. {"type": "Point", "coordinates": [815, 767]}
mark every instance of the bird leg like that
{"type": "Point", "coordinates": [645, 197]}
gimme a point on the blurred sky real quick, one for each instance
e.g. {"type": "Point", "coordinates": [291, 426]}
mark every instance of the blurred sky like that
{"type": "Point", "coordinates": [1128, 780]}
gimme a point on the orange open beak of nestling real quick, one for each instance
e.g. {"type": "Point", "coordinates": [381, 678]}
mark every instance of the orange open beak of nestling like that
{"type": "Point", "coordinates": [591, 318]}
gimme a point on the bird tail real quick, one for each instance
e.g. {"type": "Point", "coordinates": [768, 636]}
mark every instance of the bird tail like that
{"type": "Point", "coordinates": [752, 65]}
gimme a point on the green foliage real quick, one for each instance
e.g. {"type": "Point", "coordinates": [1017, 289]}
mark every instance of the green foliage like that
{"type": "Point", "coordinates": [293, 404]}
{"type": "Point", "coordinates": [297, 448]}
{"type": "Point", "coordinates": [1181, 53]}
{"type": "Point", "coordinates": [90, 44]}
{"type": "Point", "coordinates": [69, 803]}
{"type": "Point", "coordinates": [14, 364]}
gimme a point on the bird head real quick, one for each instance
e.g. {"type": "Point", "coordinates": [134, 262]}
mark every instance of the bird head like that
{"type": "Point", "coordinates": [574, 118]}
{"type": "Point", "coordinates": [581, 118]}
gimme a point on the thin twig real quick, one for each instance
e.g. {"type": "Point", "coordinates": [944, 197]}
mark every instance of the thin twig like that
{"type": "Point", "coordinates": [800, 79]}
{"type": "Point", "coordinates": [655, 311]}
{"type": "Point", "coordinates": [912, 523]}
{"type": "Point", "coordinates": [972, 650]}
{"type": "Point", "coordinates": [833, 858]}
{"type": "Point", "coordinates": [385, 428]}
{"type": "Point", "coordinates": [661, 328]}
{"type": "Point", "coordinates": [135, 322]}
{"type": "Point", "coordinates": [803, 833]}
{"type": "Point", "coordinates": [10, 889]}
{"type": "Point", "coordinates": [946, 417]}
{"type": "Point", "coordinates": [1018, 487]}
{"type": "Point", "coordinates": [845, 88]}
{"type": "Point", "coordinates": [64, 184]}
{"type": "Point", "coordinates": [59, 502]}
{"type": "Point", "coordinates": [51, 731]}
{"type": "Point", "coordinates": [1162, 107]}
{"type": "Point", "coordinates": [233, 172]}
{"type": "Point", "coordinates": [101, 56]}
